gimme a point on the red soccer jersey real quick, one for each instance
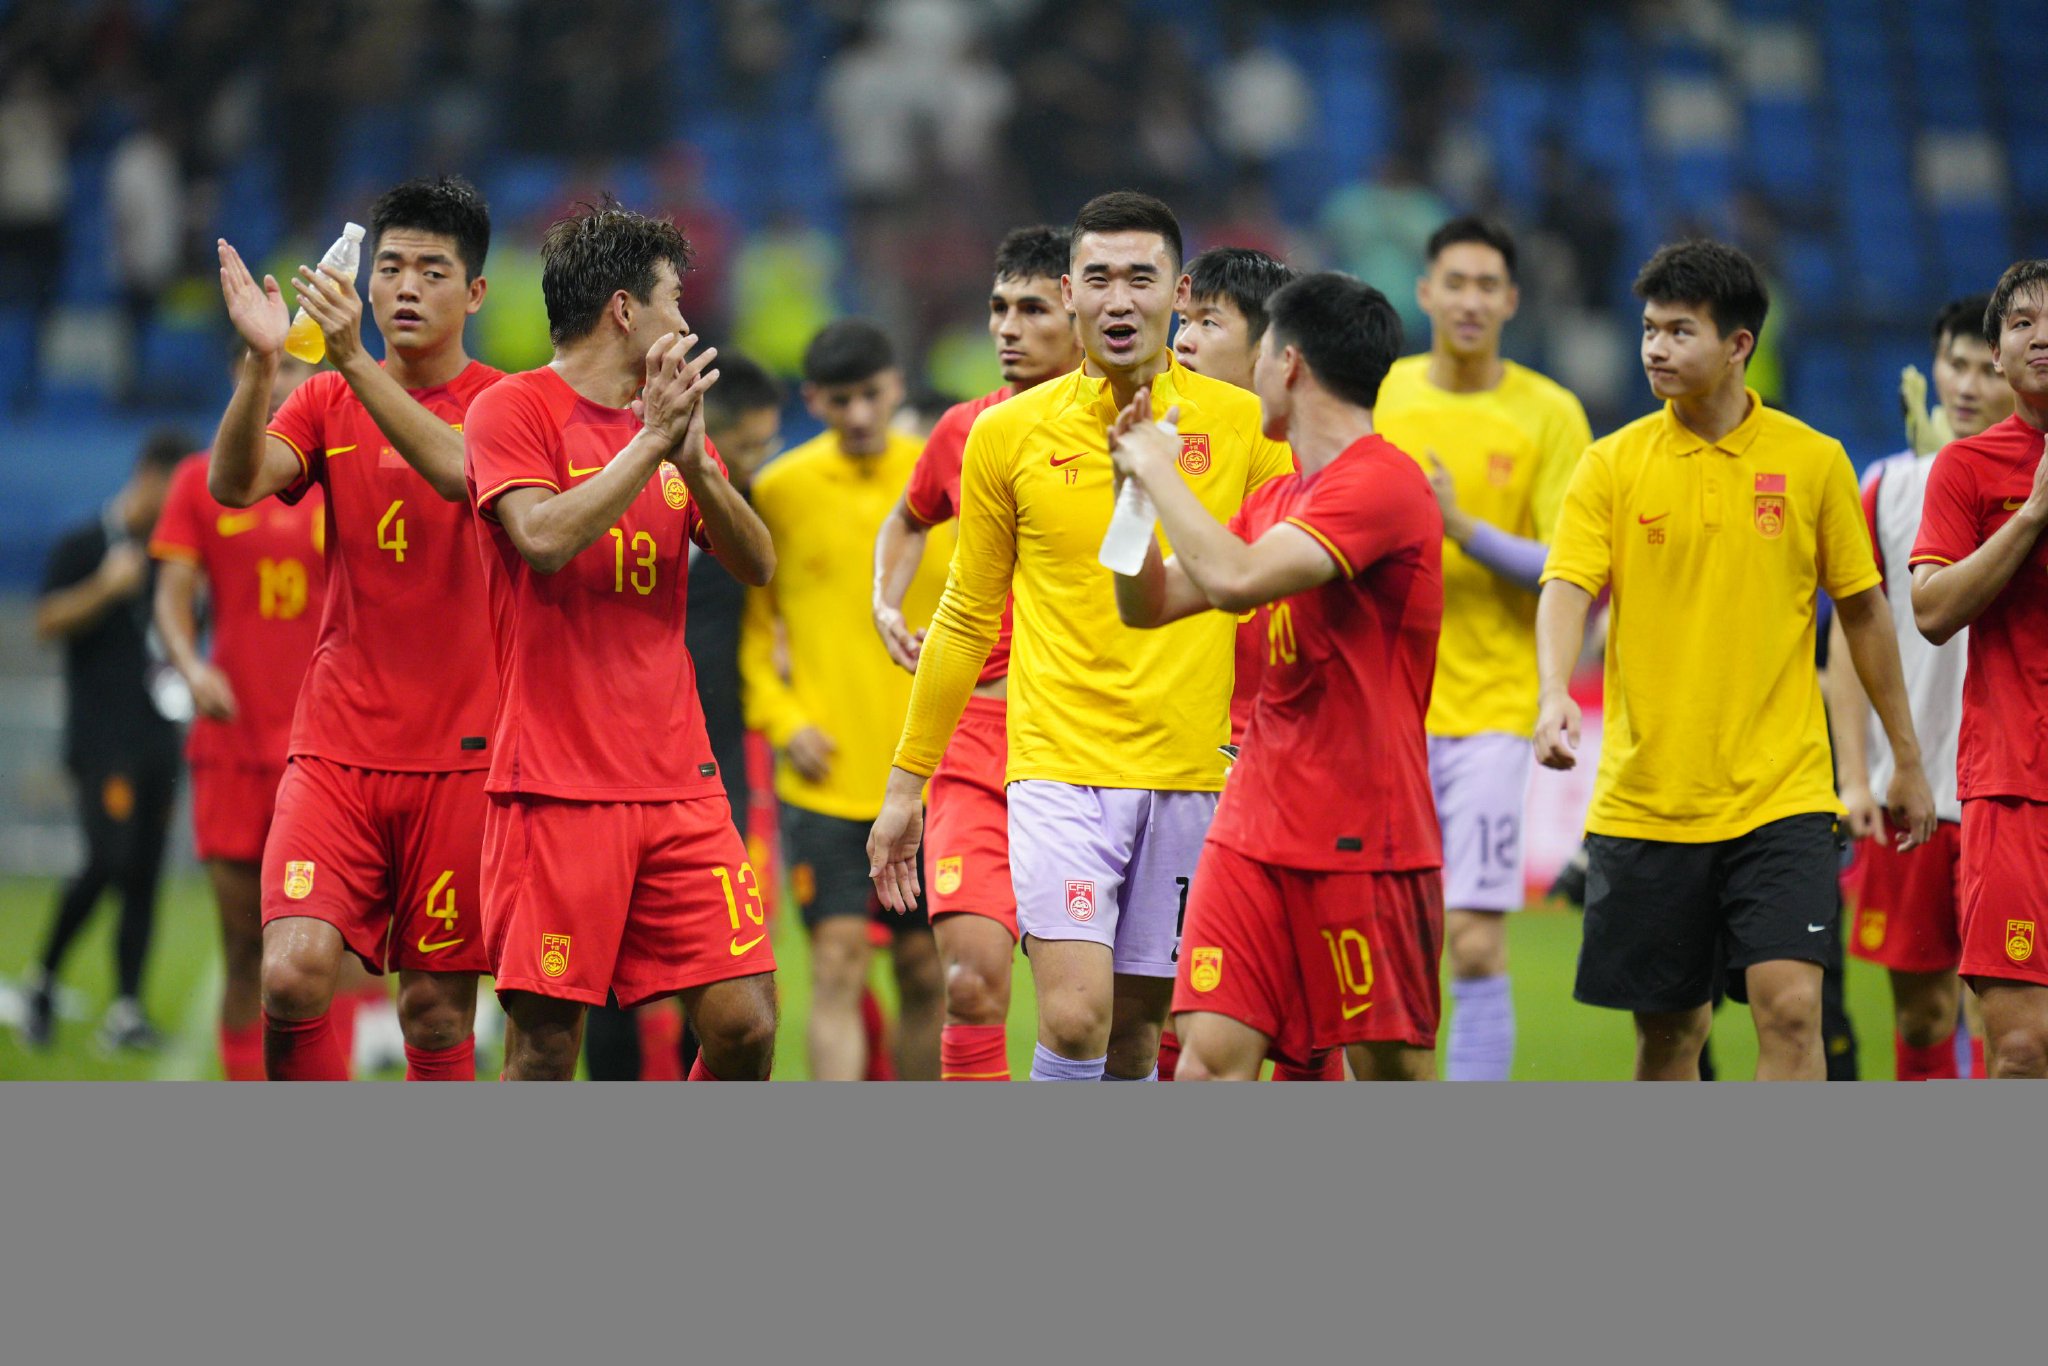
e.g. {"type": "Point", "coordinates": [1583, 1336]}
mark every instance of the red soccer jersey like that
{"type": "Point", "coordinates": [597, 693]}
{"type": "Point", "coordinates": [1251, 649]}
{"type": "Point", "coordinates": [1334, 776]}
{"type": "Point", "coordinates": [1974, 489]}
{"type": "Point", "coordinates": [403, 678]}
{"type": "Point", "coordinates": [933, 496]}
{"type": "Point", "coordinates": [266, 576]}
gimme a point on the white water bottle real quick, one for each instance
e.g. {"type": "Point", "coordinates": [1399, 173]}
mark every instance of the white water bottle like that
{"type": "Point", "coordinates": [305, 340]}
{"type": "Point", "coordinates": [1130, 525]}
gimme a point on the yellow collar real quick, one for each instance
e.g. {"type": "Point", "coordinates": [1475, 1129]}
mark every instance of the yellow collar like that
{"type": "Point", "coordinates": [1683, 440]}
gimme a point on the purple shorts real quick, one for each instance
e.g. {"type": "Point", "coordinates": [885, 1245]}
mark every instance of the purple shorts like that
{"type": "Point", "coordinates": [1109, 865]}
{"type": "Point", "coordinates": [1481, 782]}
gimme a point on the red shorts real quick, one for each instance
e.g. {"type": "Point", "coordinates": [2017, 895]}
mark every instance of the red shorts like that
{"type": "Point", "coordinates": [1905, 905]}
{"type": "Point", "coordinates": [231, 807]}
{"type": "Point", "coordinates": [643, 899]}
{"type": "Point", "coordinates": [389, 859]}
{"type": "Point", "coordinates": [967, 825]}
{"type": "Point", "coordinates": [1313, 961]}
{"type": "Point", "coordinates": [2005, 889]}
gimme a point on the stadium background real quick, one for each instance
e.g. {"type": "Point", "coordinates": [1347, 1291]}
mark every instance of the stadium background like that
{"type": "Point", "coordinates": [854, 156]}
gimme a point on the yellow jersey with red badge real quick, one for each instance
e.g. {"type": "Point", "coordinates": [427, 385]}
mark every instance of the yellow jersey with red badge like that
{"type": "Point", "coordinates": [1715, 551]}
{"type": "Point", "coordinates": [1092, 701]}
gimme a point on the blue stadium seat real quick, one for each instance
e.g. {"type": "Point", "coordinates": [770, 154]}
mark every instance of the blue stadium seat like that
{"type": "Point", "coordinates": [1972, 245]}
{"type": "Point", "coordinates": [1781, 150]}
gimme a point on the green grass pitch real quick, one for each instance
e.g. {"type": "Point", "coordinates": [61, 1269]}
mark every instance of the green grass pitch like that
{"type": "Point", "coordinates": [1559, 1040]}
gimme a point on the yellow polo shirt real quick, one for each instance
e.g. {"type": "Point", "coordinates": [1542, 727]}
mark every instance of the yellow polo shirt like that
{"type": "Point", "coordinates": [824, 508]}
{"type": "Point", "coordinates": [1511, 451]}
{"type": "Point", "coordinates": [1092, 701]}
{"type": "Point", "coordinates": [1713, 721]}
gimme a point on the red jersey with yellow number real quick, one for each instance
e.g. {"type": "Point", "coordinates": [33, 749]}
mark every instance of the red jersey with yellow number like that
{"type": "Point", "coordinates": [266, 576]}
{"type": "Point", "coordinates": [1974, 489]}
{"type": "Point", "coordinates": [403, 677]}
{"type": "Point", "coordinates": [933, 496]}
{"type": "Point", "coordinates": [1334, 776]}
{"type": "Point", "coordinates": [597, 696]}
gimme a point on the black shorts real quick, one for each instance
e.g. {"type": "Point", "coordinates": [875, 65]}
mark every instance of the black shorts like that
{"type": "Point", "coordinates": [825, 860]}
{"type": "Point", "coordinates": [1664, 920]}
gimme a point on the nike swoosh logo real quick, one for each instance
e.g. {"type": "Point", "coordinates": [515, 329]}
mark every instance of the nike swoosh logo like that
{"type": "Point", "coordinates": [738, 949]}
{"type": "Point", "coordinates": [1351, 1014]}
{"type": "Point", "coordinates": [2015, 504]}
{"type": "Point", "coordinates": [235, 523]}
{"type": "Point", "coordinates": [425, 947]}
{"type": "Point", "coordinates": [1815, 929]}
{"type": "Point", "coordinates": [1645, 521]}
{"type": "Point", "coordinates": [575, 473]}
{"type": "Point", "coordinates": [1057, 462]}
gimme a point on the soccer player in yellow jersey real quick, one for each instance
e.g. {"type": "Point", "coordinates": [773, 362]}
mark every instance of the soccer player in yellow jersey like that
{"type": "Point", "coordinates": [1499, 443]}
{"type": "Point", "coordinates": [1114, 769]}
{"type": "Point", "coordinates": [1713, 833]}
{"type": "Point", "coordinates": [831, 716]}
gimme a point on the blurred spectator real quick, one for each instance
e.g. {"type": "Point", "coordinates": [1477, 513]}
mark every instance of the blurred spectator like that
{"type": "Point", "coordinates": [1379, 231]}
{"type": "Point", "coordinates": [782, 292]}
{"type": "Point", "coordinates": [35, 192]}
{"type": "Point", "coordinates": [146, 209]}
{"type": "Point", "coordinates": [1261, 103]}
{"type": "Point", "coordinates": [679, 193]}
{"type": "Point", "coordinates": [1577, 211]}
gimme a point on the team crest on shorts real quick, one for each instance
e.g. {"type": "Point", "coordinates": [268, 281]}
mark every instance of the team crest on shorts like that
{"type": "Point", "coordinates": [1194, 453]}
{"type": "Point", "coordinates": [2019, 940]}
{"type": "Point", "coordinates": [298, 880]}
{"type": "Point", "coordinates": [672, 486]}
{"type": "Point", "coordinates": [1080, 900]}
{"type": "Point", "coordinates": [554, 954]}
{"type": "Point", "coordinates": [1207, 970]}
{"type": "Point", "coordinates": [946, 879]}
{"type": "Point", "coordinates": [1870, 929]}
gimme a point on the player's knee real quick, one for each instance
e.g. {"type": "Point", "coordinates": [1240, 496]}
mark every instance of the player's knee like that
{"type": "Point", "coordinates": [434, 1024]}
{"type": "Point", "coordinates": [296, 985]}
{"type": "Point", "coordinates": [741, 1041]}
{"type": "Point", "coordinates": [1923, 1023]}
{"type": "Point", "coordinates": [1790, 1011]}
{"type": "Point", "coordinates": [1076, 1028]}
{"type": "Point", "coordinates": [973, 997]}
{"type": "Point", "coordinates": [2019, 1051]}
{"type": "Point", "coordinates": [1194, 1067]}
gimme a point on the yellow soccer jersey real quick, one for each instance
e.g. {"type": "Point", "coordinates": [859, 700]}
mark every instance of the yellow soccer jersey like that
{"type": "Point", "coordinates": [1510, 450]}
{"type": "Point", "coordinates": [1092, 701]}
{"type": "Point", "coordinates": [824, 508]}
{"type": "Point", "coordinates": [1713, 720]}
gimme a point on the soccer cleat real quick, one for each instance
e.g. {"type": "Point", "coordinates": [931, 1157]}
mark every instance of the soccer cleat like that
{"type": "Point", "coordinates": [126, 1029]}
{"type": "Point", "coordinates": [38, 1010]}
{"type": "Point", "coordinates": [1570, 886]}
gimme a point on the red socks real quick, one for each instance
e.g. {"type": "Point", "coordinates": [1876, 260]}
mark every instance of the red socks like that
{"type": "Point", "coordinates": [241, 1052]}
{"type": "Point", "coordinates": [1169, 1054]}
{"type": "Point", "coordinates": [661, 1039]}
{"type": "Point", "coordinates": [442, 1064]}
{"type": "Point", "coordinates": [1933, 1062]}
{"type": "Point", "coordinates": [1330, 1069]}
{"type": "Point", "coordinates": [698, 1071]}
{"type": "Point", "coordinates": [1977, 1058]}
{"type": "Point", "coordinates": [881, 1067]}
{"type": "Point", "coordinates": [302, 1050]}
{"type": "Point", "coordinates": [974, 1053]}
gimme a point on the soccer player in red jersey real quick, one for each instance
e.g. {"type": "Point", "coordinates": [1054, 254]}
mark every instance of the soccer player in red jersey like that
{"type": "Point", "coordinates": [1980, 562]}
{"type": "Point", "coordinates": [1316, 916]}
{"type": "Point", "coordinates": [611, 864]}
{"type": "Point", "coordinates": [379, 823]}
{"type": "Point", "coordinates": [264, 573]}
{"type": "Point", "coordinates": [967, 837]}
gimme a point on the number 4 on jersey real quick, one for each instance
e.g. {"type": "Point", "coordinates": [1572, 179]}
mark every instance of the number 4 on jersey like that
{"type": "Point", "coordinates": [391, 531]}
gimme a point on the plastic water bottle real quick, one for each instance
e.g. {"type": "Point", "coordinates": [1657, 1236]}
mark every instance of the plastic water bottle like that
{"type": "Point", "coordinates": [305, 340]}
{"type": "Point", "coordinates": [1130, 525]}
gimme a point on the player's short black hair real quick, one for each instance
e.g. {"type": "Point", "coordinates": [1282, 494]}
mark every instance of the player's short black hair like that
{"type": "Point", "coordinates": [744, 386]}
{"type": "Point", "coordinates": [594, 253]}
{"type": "Point", "coordinates": [1712, 274]}
{"type": "Point", "coordinates": [1344, 328]}
{"type": "Point", "coordinates": [447, 206]}
{"type": "Point", "coordinates": [1128, 211]}
{"type": "Point", "coordinates": [2021, 277]}
{"type": "Point", "coordinates": [847, 352]}
{"type": "Point", "coordinates": [1471, 227]}
{"type": "Point", "coordinates": [1036, 253]}
{"type": "Point", "coordinates": [1962, 317]}
{"type": "Point", "coordinates": [1244, 276]}
{"type": "Point", "coordinates": [164, 449]}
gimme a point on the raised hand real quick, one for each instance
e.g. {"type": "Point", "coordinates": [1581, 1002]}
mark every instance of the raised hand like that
{"type": "Point", "coordinates": [675, 384]}
{"type": "Point", "coordinates": [330, 299]}
{"type": "Point", "coordinates": [257, 311]}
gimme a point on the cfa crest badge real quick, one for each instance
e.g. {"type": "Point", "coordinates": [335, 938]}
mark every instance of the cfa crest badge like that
{"type": "Point", "coordinates": [298, 880]}
{"type": "Point", "coordinates": [1207, 970]}
{"type": "Point", "coordinates": [1870, 929]}
{"type": "Point", "coordinates": [554, 954]}
{"type": "Point", "coordinates": [1500, 469]}
{"type": "Point", "coordinates": [946, 878]}
{"type": "Point", "coordinates": [1194, 453]}
{"type": "Point", "coordinates": [2019, 940]}
{"type": "Point", "coordinates": [1080, 900]}
{"type": "Point", "coordinates": [672, 486]}
{"type": "Point", "coordinates": [1770, 515]}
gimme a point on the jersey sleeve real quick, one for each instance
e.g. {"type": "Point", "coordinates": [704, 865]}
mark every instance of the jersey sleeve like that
{"type": "Point", "coordinates": [1847, 564]}
{"type": "Point", "coordinates": [1566, 441]}
{"type": "Point", "coordinates": [302, 425]}
{"type": "Point", "coordinates": [1361, 513]}
{"type": "Point", "coordinates": [1873, 479]}
{"type": "Point", "coordinates": [970, 613]}
{"type": "Point", "coordinates": [1270, 460]}
{"type": "Point", "coordinates": [767, 702]}
{"type": "Point", "coordinates": [1582, 542]}
{"type": "Point", "coordinates": [508, 443]}
{"type": "Point", "coordinates": [1948, 519]}
{"type": "Point", "coordinates": [929, 495]}
{"type": "Point", "coordinates": [182, 523]}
